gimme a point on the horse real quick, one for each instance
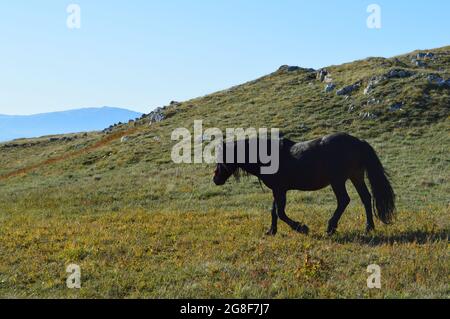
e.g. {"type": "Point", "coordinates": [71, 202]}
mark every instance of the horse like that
{"type": "Point", "coordinates": [311, 166]}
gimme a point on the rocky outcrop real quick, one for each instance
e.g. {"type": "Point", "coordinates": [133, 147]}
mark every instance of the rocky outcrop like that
{"type": "Point", "coordinates": [321, 74]}
{"type": "Point", "coordinates": [291, 68]}
{"type": "Point", "coordinates": [436, 80]}
{"type": "Point", "coordinates": [398, 73]}
{"type": "Point", "coordinates": [349, 89]}
{"type": "Point", "coordinates": [392, 74]}
{"type": "Point", "coordinates": [396, 107]}
{"type": "Point", "coordinates": [156, 116]}
{"type": "Point", "coordinates": [329, 87]}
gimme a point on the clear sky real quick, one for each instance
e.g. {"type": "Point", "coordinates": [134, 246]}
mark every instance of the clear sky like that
{"type": "Point", "coordinates": [143, 54]}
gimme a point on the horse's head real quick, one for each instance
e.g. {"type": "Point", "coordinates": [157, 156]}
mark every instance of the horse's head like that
{"type": "Point", "coordinates": [223, 173]}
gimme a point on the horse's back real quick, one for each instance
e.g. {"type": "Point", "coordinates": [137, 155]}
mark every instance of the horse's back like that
{"type": "Point", "coordinates": [314, 164]}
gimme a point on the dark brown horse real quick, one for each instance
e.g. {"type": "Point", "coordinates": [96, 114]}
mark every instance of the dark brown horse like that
{"type": "Point", "coordinates": [314, 165]}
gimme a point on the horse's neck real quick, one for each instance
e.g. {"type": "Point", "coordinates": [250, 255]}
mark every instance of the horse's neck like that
{"type": "Point", "coordinates": [251, 168]}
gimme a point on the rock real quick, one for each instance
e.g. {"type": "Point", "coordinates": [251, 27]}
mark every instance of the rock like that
{"type": "Point", "coordinates": [369, 88]}
{"type": "Point", "coordinates": [429, 55]}
{"type": "Point", "coordinates": [421, 55]}
{"type": "Point", "coordinates": [392, 74]}
{"type": "Point", "coordinates": [396, 107]}
{"type": "Point", "coordinates": [398, 73]}
{"type": "Point", "coordinates": [97, 177]}
{"type": "Point", "coordinates": [293, 68]}
{"type": "Point", "coordinates": [420, 63]}
{"type": "Point", "coordinates": [303, 128]}
{"type": "Point", "coordinates": [157, 139]}
{"type": "Point", "coordinates": [434, 79]}
{"type": "Point", "coordinates": [402, 122]}
{"type": "Point", "coordinates": [321, 74]}
{"type": "Point", "coordinates": [156, 116]}
{"type": "Point", "coordinates": [367, 116]}
{"type": "Point", "coordinates": [373, 101]}
{"type": "Point", "coordinates": [124, 139]}
{"type": "Point", "coordinates": [373, 82]}
{"type": "Point", "coordinates": [289, 68]}
{"type": "Point", "coordinates": [329, 87]}
{"type": "Point", "coordinates": [349, 89]}
{"type": "Point", "coordinates": [328, 79]}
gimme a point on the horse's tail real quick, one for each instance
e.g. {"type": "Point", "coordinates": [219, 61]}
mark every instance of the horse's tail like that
{"type": "Point", "coordinates": [384, 196]}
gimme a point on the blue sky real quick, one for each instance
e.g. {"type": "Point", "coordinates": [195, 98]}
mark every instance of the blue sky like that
{"type": "Point", "coordinates": [143, 54]}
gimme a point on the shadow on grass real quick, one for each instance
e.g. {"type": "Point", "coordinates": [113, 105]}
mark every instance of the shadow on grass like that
{"type": "Point", "coordinates": [419, 237]}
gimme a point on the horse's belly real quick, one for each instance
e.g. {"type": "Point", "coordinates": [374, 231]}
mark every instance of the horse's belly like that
{"type": "Point", "coordinates": [311, 179]}
{"type": "Point", "coordinates": [311, 185]}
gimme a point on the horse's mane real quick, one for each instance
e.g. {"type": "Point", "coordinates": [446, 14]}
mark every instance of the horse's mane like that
{"type": "Point", "coordinates": [239, 172]}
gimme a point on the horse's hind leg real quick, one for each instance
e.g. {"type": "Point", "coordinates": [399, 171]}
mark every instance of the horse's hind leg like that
{"type": "Point", "coordinates": [366, 198]}
{"type": "Point", "coordinates": [273, 228]}
{"type": "Point", "coordinates": [343, 200]}
{"type": "Point", "coordinates": [280, 199]}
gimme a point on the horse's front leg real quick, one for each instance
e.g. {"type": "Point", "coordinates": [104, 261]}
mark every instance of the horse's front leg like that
{"type": "Point", "coordinates": [280, 198]}
{"type": "Point", "coordinates": [273, 228]}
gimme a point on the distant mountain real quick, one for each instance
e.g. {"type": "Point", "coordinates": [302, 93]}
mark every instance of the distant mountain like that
{"type": "Point", "coordinates": [73, 121]}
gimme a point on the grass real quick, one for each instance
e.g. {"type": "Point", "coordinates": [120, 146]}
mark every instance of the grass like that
{"type": "Point", "coordinates": [141, 226]}
{"type": "Point", "coordinates": [218, 254]}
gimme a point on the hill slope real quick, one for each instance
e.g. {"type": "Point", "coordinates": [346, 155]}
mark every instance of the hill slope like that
{"type": "Point", "coordinates": [108, 203]}
{"type": "Point", "coordinates": [73, 121]}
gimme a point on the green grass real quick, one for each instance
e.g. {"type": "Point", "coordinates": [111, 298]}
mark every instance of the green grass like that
{"type": "Point", "coordinates": [141, 226]}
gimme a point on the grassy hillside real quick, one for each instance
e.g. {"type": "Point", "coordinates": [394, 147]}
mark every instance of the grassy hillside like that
{"type": "Point", "coordinates": [142, 226]}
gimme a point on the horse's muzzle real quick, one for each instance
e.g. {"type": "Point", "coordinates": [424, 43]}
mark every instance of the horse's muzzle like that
{"type": "Point", "coordinates": [219, 182]}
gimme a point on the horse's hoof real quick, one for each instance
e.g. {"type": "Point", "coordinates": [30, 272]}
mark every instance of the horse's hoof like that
{"type": "Point", "coordinates": [331, 231]}
{"type": "Point", "coordinates": [370, 229]}
{"type": "Point", "coordinates": [302, 229]}
{"type": "Point", "coordinates": [271, 232]}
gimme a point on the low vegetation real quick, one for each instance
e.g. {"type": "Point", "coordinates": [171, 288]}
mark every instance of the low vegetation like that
{"type": "Point", "coordinates": [141, 226]}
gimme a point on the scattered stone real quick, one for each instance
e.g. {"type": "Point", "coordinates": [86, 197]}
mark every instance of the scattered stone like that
{"type": "Point", "coordinates": [328, 79]}
{"type": "Point", "coordinates": [97, 177]}
{"type": "Point", "coordinates": [289, 68]}
{"type": "Point", "coordinates": [157, 139]}
{"type": "Point", "coordinates": [396, 107]}
{"type": "Point", "coordinates": [321, 74]}
{"type": "Point", "coordinates": [402, 122]}
{"type": "Point", "coordinates": [421, 55]}
{"type": "Point", "coordinates": [420, 63]}
{"type": "Point", "coordinates": [429, 55]}
{"type": "Point", "coordinates": [124, 139]}
{"type": "Point", "coordinates": [434, 79]}
{"type": "Point", "coordinates": [392, 74]}
{"type": "Point", "coordinates": [368, 116]}
{"type": "Point", "coordinates": [373, 101]}
{"type": "Point", "coordinates": [370, 87]}
{"type": "Point", "coordinates": [303, 128]}
{"type": "Point", "coordinates": [329, 87]}
{"type": "Point", "coordinates": [293, 68]}
{"type": "Point", "coordinates": [349, 89]}
{"type": "Point", "coordinates": [156, 116]}
{"type": "Point", "coordinates": [345, 122]}
{"type": "Point", "coordinates": [398, 73]}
